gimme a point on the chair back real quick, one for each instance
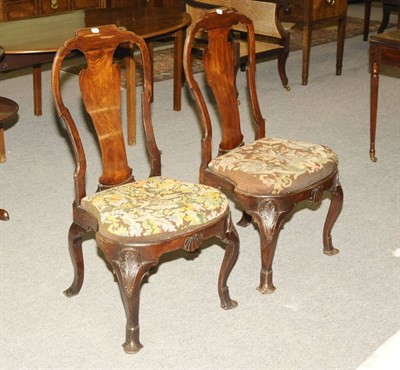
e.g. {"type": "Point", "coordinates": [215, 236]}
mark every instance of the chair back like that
{"type": "Point", "coordinates": [220, 72]}
{"type": "Point", "coordinates": [100, 88]}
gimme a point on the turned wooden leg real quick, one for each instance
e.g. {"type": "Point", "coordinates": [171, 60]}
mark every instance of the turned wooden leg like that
{"type": "Point", "coordinates": [269, 220]}
{"type": "Point", "coordinates": [333, 213]}
{"type": "Point", "coordinates": [231, 240]}
{"type": "Point", "coordinates": [76, 233]}
{"type": "Point", "coordinates": [373, 108]}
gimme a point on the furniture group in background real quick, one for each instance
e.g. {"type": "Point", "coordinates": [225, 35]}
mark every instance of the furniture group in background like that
{"type": "Point", "coordinates": [272, 41]}
{"type": "Point", "coordinates": [310, 12]}
{"type": "Point", "coordinates": [387, 7]}
{"type": "Point", "coordinates": [152, 23]}
{"type": "Point", "coordinates": [384, 49]}
{"type": "Point", "coordinates": [21, 9]}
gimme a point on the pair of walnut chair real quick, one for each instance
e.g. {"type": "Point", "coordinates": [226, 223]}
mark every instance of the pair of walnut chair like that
{"type": "Point", "coordinates": [135, 222]}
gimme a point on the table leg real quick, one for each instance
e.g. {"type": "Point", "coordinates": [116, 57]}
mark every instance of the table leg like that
{"type": "Point", "coordinates": [178, 63]}
{"type": "Point", "coordinates": [2, 146]}
{"type": "Point", "coordinates": [340, 44]}
{"type": "Point", "coordinates": [130, 68]}
{"type": "Point", "coordinates": [373, 108]}
{"type": "Point", "coordinates": [37, 90]}
{"type": "Point", "coordinates": [307, 31]}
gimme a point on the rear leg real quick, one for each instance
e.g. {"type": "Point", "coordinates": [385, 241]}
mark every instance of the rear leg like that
{"type": "Point", "coordinates": [75, 235]}
{"type": "Point", "coordinates": [231, 240]}
{"type": "Point", "coordinates": [333, 213]}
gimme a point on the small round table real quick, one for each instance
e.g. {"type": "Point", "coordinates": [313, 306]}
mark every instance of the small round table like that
{"type": "Point", "coordinates": [8, 109]}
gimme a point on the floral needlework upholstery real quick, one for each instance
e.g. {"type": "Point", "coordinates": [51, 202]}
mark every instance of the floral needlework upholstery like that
{"type": "Point", "coordinates": [154, 206]}
{"type": "Point", "coordinates": [275, 166]}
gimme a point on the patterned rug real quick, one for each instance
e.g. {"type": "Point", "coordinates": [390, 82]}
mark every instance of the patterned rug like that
{"type": "Point", "coordinates": [322, 34]}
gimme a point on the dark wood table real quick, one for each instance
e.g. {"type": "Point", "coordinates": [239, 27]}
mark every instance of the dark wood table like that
{"type": "Point", "coordinates": [8, 109]}
{"type": "Point", "coordinates": [384, 49]}
{"type": "Point", "coordinates": [310, 12]}
{"type": "Point", "coordinates": [34, 41]}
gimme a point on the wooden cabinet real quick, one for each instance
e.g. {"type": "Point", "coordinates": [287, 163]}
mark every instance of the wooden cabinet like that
{"type": "Point", "coordinates": [20, 9]}
{"type": "Point", "coordinates": [310, 12]}
{"type": "Point", "coordinates": [175, 4]}
{"type": "Point", "coordinates": [314, 10]}
{"type": "Point", "coordinates": [53, 6]}
{"type": "Point", "coordinates": [17, 9]}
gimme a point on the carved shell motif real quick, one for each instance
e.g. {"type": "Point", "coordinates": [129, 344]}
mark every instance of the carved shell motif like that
{"type": "Point", "coordinates": [129, 262]}
{"type": "Point", "coordinates": [316, 194]}
{"type": "Point", "coordinates": [193, 242]}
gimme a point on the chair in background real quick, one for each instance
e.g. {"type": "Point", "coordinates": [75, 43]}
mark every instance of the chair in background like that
{"type": "Point", "coordinates": [135, 222]}
{"type": "Point", "coordinates": [387, 7]}
{"type": "Point", "coordinates": [272, 40]}
{"type": "Point", "coordinates": [267, 176]}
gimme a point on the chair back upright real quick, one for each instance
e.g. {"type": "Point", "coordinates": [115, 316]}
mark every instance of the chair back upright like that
{"type": "Point", "coordinates": [219, 69]}
{"type": "Point", "coordinates": [100, 87]}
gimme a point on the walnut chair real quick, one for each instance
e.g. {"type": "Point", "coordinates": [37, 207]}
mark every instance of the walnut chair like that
{"type": "Point", "coordinates": [135, 222]}
{"type": "Point", "coordinates": [267, 176]}
{"type": "Point", "coordinates": [272, 40]}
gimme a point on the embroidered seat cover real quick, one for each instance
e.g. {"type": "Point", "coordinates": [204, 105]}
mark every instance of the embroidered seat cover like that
{"type": "Point", "coordinates": [275, 166]}
{"type": "Point", "coordinates": [155, 206]}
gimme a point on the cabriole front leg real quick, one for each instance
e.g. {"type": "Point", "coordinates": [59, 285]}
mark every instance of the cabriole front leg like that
{"type": "Point", "coordinates": [130, 269]}
{"type": "Point", "coordinates": [231, 240]}
{"type": "Point", "coordinates": [333, 213]}
{"type": "Point", "coordinates": [269, 220]}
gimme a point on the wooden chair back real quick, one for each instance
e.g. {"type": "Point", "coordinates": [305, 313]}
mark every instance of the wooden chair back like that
{"type": "Point", "coordinates": [221, 77]}
{"type": "Point", "coordinates": [100, 85]}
